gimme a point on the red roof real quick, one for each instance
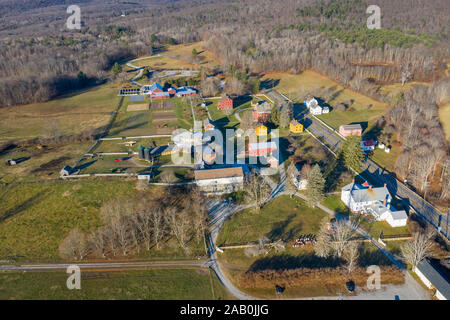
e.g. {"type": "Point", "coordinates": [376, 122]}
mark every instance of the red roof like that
{"type": "Point", "coordinates": [369, 143]}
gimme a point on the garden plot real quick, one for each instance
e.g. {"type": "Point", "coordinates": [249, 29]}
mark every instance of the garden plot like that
{"type": "Point", "coordinates": [137, 107]}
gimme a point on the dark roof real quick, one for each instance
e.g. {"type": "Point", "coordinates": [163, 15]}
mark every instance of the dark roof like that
{"type": "Point", "coordinates": [356, 126]}
{"type": "Point", "coordinates": [136, 98]}
{"type": "Point", "coordinates": [218, 173]}
{"type": "Point", "coordinates": [435, 277]}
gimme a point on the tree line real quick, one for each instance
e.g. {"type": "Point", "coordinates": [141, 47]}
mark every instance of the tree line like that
{"type": "Point", "coordinates": [132, 226]}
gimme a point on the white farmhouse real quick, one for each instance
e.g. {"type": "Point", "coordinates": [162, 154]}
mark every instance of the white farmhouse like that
{"type": "Point", "coordinates": [217, 181]}
{"type": "Point", "coordinates": [298, 181]}
{"type": "Point", "coordinates": [375, 201]}
{"type": "Point", "coordinates": [313, 106]}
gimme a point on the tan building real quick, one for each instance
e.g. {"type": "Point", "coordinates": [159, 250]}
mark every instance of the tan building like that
{"type": "Point", "coordinates": [217, 181]}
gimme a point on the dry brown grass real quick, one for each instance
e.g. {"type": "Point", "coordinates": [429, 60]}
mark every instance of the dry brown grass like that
{"type": "Point", "coordinates": [309, 277]}
{"type": "Point", "coordinates": [137, 107]}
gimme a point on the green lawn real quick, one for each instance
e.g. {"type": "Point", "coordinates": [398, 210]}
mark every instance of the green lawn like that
{"type": "Point", "coordinates": [218, 115]}
{"type": "Point", "coordinates": [43, 163]}
{"type": "Point", "coordinates": [151, 284]}
{"type": "Point", "coordinates": [71, 114]}
{"type": "Point", "coordinates": [283, 218]}
{"type": "Point", "coordinates": [334, 202]}
{"type": "Point", "coordinates": [35, 217]}
{"type": "Point", "coordinates": [374, 229]}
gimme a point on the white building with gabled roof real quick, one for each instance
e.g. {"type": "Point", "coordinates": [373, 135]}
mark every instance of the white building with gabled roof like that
{"type": "Point", "coordinates": [375, 201]}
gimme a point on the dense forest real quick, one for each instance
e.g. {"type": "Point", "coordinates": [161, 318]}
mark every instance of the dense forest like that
{"type": "Point", "coordinates": [41, 59]}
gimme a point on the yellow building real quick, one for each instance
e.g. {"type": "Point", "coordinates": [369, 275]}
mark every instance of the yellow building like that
{"type": "Point", "coordinates": [261, 130]}
{"type": "Point", "coordinates": [295, 127]}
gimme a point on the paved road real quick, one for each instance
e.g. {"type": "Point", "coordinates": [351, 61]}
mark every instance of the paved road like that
{"type": "Point", "coordinates": [396, 187]}
{"type": "Point", "coordinates": [410, 290]}
{"type": "Point", "coordinates": [106, 265]}
{"type": "Point", "coordinates": [219, 212]}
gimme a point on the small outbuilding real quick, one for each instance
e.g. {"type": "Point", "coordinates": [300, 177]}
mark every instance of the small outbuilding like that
{"type": "Point", "coordinates": [11, 162]}
{"type": "Point", "coordinates": [350, 130]}
{"type": "Point", "coordinates": [433, 279]}
{"type": "Point", "coordinates": [261, 130]}
{"type": "Point", "coordinates": [66, 171]}
{"type": "Point", "coordinates": [295, 126]}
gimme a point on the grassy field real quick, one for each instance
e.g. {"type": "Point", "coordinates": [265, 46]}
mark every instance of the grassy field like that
{"type": "Point", "coordinates": [283, 218]}
{"type": "Point", "coordinates": [35, 217]}
{"type": "Point", "coordinates": [41, 163]}
{"type": "Point", "coordinates": [150, 284]}
{"type": "Point", "coordinates": [163, 63]}
{"type": "Point", "coordinates": [234, 262]}
{"type": "Point", "coordinates": [387, 160]}
{"type": "Point", "coordinates": [444, 114]}
{"type": "Point", "coordinates": [221, 117]}
{"type": "Point", "coordinates": [296, 86]}
{"type": "Point", "coordinates": [204, 58]}
{"type": "Point", "coordinates": [70, 114]}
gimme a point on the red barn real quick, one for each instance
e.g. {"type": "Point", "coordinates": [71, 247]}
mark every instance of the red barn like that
{"type": "Point", "coordinates": [226, 104]}
{"type": "Point", "coordinates": [261, 111]}
{"type": "Point", "coordinates": [262, 148]}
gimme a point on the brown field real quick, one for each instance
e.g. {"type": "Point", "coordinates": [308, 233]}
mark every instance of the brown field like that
{"type": "Point", "coordinates": [137, 107]}
{"type": "Point", "coordinates": [71, 114]}
{"type": "Point", "coordinates": [162, 105]}
{"type": "Point", "coordinates": [163, 116]}
{"type": "Point", "coordinates": [444, 115]}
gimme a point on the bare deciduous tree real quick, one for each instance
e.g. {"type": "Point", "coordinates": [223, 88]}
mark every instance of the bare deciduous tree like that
{"type": "Point", "coordinates": [322, 247]}
{"type": "Point", "coordinates": [343, 232]}
{"type": "Point", "coordinates": [256, 190]}
{"type": "Point", "coordinates": [418, 248]}
{"type": "Point", "coordinates": [180, 226]}
{"type": "Point", "coordinates": [74, 246]}
{"type": "Point", "coordinates": [351, 255]}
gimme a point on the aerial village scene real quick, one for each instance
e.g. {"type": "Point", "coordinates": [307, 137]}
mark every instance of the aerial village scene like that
{"type": "Point", "coordinates": [180, 173]}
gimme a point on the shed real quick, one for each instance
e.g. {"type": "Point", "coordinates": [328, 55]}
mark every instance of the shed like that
{"type": "Point", "coordinates": [433, 278]}
{"type": "Point", "coordinates": [295, 126]}
{"type": "Point", "coordinates": [261, 130]}
{"type": "Point", "coordinates": [350, 130]}
{"type": "Point", "coordinates": [11, 162]}
{"type": "Point", "coordinates": [66, 171]}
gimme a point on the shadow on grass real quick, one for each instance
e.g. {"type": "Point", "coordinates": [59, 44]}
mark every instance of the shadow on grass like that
{"type": "Point", "coordinates": [286, 262]}
{"type": "Point", "coordinates": [37, 198]}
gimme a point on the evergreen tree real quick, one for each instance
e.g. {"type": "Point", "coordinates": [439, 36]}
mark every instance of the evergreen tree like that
{"type": "Point", "coordinates": [82, 79]}
{"type": "Point", "coordinates": [116, 69]}
{"type": "Point", "coordinates": [352, 152]}
{"type": "Point", "coordinates": [315, 186]}
{"type": "Point", "coordinates": [255, 85]}
{"type": "Point", "coordinates": [285, 115]}
{"type": "Point", "coordinates": [275, 115]}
